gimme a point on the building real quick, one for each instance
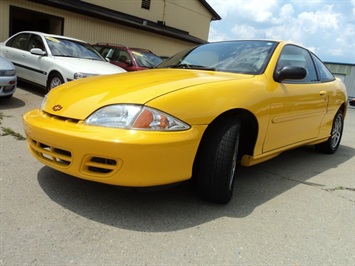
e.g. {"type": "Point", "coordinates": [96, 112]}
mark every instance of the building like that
{"type": "Point", "coordinates": [163, 26]}
{"type": "Point", "coordinates": [346, 72]}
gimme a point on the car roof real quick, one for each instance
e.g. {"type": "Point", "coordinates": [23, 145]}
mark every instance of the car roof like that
{"type": "Point", "coordinates": [123, 46]}
{"type": "Point", "coordinates": [51, 35]}
{"type": "Point", "coordinates": [111, 44]}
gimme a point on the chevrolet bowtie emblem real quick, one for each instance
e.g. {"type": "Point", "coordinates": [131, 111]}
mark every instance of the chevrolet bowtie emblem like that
{"type": "Point", "coordinates": [57, 107]}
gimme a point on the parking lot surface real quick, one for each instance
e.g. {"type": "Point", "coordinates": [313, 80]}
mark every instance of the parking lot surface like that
{"type": "Point", "coordinates": [296, 209]}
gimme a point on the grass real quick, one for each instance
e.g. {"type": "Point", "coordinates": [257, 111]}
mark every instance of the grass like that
{"type": "Point", "coordinates": [8, 131]}
{"type": "Point", "coordinates": [340, 188]}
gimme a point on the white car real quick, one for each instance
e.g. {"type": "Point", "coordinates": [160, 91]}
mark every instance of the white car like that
{"type": "Point", "coordinates": [49, 60]}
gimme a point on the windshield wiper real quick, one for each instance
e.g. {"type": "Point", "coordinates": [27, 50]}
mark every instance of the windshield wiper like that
{"type": "Point", "coordinates": [187, 66]}
{"type": "Point", "coordinates": [91, 58]}
{"type": "Point", "coordinates": [65, 55]}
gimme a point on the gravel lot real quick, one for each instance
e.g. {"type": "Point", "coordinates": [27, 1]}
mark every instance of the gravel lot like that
{"type": "Point", "coordinates": [297, 209]}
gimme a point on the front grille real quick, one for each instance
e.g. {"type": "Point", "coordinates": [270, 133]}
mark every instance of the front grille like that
{"type": "Point", "coordinates": [61, 118]}
{"type": "Point", "coordinates": [54, 155]}
{"type": "Point", "coordinates": [100, 165]}
{"type": "Point", "coordinates": [91, 165]}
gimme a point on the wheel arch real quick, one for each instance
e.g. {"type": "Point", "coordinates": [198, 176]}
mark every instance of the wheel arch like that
{"type": "Point", "coordinates": [249, 131]}
{"type": "Point", "coordinates": [51, 73]}
{"type": "Point", "coordinates": [343, 108]}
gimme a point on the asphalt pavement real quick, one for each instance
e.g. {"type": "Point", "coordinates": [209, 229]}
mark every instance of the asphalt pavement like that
{"type": "Point", "coordinates": [296, 209]}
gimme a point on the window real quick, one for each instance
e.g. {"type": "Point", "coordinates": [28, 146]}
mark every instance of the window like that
{"type": "Point", "coordinates": [324, 73]}
{"type": "Point", "coordinates": [19, 41]}
{"type": "Point", "coordinates": [36, 42]}
{"type": "Point", "coordinates": [145, 4]}
{"type": "Point", "coordinates": [296, 56]}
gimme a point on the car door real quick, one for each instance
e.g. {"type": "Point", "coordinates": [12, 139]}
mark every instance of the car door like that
{"type": "Point", "coordinates": [36, 69]}
{"type": "Point", "coordinates": [298, 106]}
{"type": "Point", "coordinates": [15, 50]}
{"type": "Point", "coordinates": [123, 59]}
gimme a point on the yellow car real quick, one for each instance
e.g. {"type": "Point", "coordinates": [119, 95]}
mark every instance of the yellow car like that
{"type": "Point", "coordinates": [198, 115]}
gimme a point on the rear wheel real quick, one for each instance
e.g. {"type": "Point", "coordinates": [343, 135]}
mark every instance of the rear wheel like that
{"type": "Point", "coordinates": [331, 145]}
{"type": "Point", "coordinates": [54, 80]}
{"type": "Point", "coordinates": [217, 161]}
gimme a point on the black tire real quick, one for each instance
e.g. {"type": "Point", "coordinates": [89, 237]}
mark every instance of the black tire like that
{"type": "Point", "coordinates": [54, 80]}
{"type": "Point", "coordinates": [332, 144]}
{"type": "Point", "coordinates": [217, 161]}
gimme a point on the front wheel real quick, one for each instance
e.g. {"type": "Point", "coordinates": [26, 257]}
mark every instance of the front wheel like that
{"type": "Point", "coordinates": [331, 145]}
{"type": "Point", "coordinates": [54, 80]}
{"type": "Point", "coordinates": [217, 161]}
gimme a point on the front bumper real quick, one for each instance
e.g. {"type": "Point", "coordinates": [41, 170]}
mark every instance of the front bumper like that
{"type": "Point", "coordinates": [113, 156]}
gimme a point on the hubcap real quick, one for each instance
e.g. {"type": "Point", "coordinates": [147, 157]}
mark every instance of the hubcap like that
{"type": "Point", "coordinates": [336, 132]}
{"type": "Point", "coordinates": [234, 165]}
{"type": "Point", "coordinates": [55, 82]}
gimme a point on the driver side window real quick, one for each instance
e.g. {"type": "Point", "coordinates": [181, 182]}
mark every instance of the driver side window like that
{"type": "Point", "coordinates": [292, 55]}
{"type": "Point", "coordinates": [36, 42]}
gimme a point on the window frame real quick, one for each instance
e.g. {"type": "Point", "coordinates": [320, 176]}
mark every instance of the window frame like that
{"type": "Point", "coordinates": [321, 77]}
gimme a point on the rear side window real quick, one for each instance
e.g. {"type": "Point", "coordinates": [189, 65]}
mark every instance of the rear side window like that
{"type": "Point", "coordinates": [19, 41]}
{"type": "Point", "coordinates": [324, 73]}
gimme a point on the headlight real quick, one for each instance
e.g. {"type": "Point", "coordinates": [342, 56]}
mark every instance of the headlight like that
{"type": "Point", "coordinates": [135, 117]}
{"type": "Point", "coordinates": [79, 75]}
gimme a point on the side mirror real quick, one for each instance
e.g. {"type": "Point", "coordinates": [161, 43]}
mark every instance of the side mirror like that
{"type": "Point", "coordinates": [290, 72]}
{"type": "Point", "coordinates": [38, 51]}
{"type": "Point", "coordinates": [108, 59]}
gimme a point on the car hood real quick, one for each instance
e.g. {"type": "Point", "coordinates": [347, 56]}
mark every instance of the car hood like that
{"type": "Point", "coordinates": [78, 99]}
{"type": "Point", "coordinates": [88, 65]}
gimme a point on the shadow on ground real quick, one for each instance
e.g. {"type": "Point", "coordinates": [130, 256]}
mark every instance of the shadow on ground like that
{"type": "Point", "coordinates": [14, 102]}
{"type": "Point", "coordinates": [178, 207]}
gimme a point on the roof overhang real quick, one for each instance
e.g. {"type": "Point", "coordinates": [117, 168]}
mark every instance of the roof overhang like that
{"type": "Point", "coordinates": [214, 14]}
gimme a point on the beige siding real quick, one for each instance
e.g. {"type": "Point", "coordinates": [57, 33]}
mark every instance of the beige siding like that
{"type": "Point", "coordinates": [95, 30]}
{"type": "Point", "coordinates": [133, 7]}
{"type": "Point", "coordinates": [186, 15]}
{"type": "Point", "coordinates": [5, 8]}
{"type": "Point", "coordinates": [4, 20]}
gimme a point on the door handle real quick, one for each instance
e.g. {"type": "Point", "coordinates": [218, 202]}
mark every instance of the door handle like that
{"type": "Point", "coordinates": [323, 94]}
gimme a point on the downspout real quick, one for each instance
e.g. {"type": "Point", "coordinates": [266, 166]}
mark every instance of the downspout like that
{"type": "Point", "coordinates": [163, 20]}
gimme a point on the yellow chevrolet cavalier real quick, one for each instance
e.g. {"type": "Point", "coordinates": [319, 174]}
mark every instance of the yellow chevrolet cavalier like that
{"type": "Point", "coordinates": [198, 115]}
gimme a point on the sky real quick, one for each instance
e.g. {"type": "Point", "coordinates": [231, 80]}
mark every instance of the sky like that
{"type": "Point", "coordinates": [326, 27]}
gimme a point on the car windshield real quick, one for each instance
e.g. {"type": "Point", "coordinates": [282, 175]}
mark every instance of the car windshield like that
{"type": "Point", "coordinates": [146, 59]}
{"type": "Point", "coordinates": [249, 57]}
{"type": "Point", "coordinates": [70, 48]}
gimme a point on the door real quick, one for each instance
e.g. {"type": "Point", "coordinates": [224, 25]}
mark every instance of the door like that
{"type": "Point", "coordinates": [298, 106]}
{"type": "Point", "coordinates": [15, 50]}
{"type": "Point", "coordinates": [37, 70]}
